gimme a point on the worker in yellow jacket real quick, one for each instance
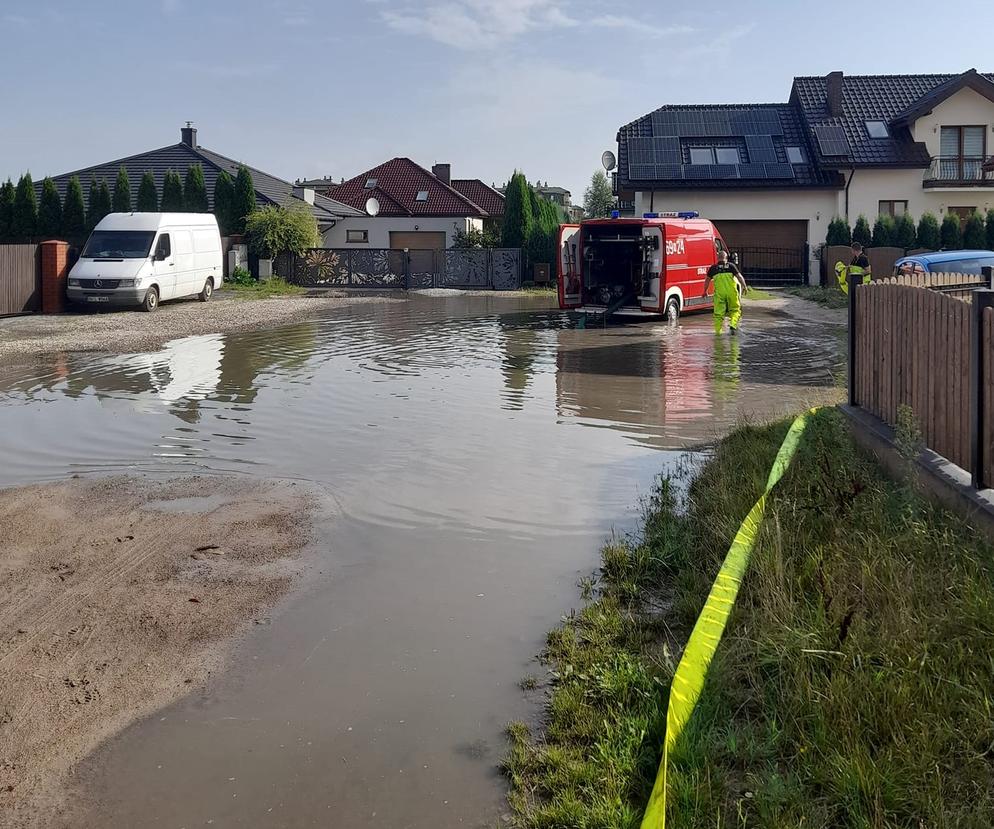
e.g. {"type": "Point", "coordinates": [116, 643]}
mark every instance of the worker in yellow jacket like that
{"type": "Point", "coordinates": [858, 267]}
{"type": "Point", "coordinates": [725, 275]}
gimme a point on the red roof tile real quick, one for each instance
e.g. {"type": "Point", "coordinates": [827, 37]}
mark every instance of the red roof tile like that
{"type": "Point", "coordinates": [397, 185]}
{"type": "Point", "coordinates": [482, 194]}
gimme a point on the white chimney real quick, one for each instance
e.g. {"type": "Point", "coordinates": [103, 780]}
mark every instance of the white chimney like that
{"type": "Point", "coordinates": [304, 194]}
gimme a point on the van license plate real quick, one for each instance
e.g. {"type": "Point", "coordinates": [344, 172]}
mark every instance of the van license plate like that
{"type": "Point", "coordinates": [98, 299]}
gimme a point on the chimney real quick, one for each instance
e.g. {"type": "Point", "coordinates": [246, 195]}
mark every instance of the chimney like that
{"type": "Point", "coordinates": [443, 172]}
{"type": "Point", "coordinates": [188, 135]}
{"type": "Point", "coordinates": [304, 194]}
{"type": "Point", "coordinates": [833, 94]}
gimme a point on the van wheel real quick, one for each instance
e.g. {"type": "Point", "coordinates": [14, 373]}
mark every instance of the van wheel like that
{"type": "Point", "coordinates": [673, 309]}
{"type": "Point", "coordinates": [151, 301]}
{"type": "Point", "coordinates": [208, 290]}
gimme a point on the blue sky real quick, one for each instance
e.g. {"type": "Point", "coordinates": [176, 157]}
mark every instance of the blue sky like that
{"type": "Point", "coordinates": [332, 87]}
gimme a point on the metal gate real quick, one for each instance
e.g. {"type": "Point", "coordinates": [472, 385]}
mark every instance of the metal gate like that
{"type": "Point", "coordinates": [20, 279]}
{"type": "Point", "coordinates": [773, 267]}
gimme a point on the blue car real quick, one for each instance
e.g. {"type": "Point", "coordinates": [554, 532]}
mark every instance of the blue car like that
{"type": "Point", "coordinates": [946, 261]}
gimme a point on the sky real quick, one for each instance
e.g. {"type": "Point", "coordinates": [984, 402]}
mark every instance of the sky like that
{"type": "Point", "coordinates": [309, 88]}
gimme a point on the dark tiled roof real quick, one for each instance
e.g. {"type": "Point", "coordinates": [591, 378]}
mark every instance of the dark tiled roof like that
{"type": "Point", "coordinates": [398, 183]}
{"type": "Point", "coordinates": [889, 98]}
{"type": "Point", "coordinates": [794, 134]}
{"type": "Point", "coordinates": [481, 194]}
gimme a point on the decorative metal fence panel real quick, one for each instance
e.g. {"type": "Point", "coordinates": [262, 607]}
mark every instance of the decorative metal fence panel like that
{"type": "Point", "coordinates": [767, 266]}
{"type": "Point", "coordinates": [496, 269]}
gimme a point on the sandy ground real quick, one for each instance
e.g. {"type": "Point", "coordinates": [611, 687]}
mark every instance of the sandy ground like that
{"type": "Point", "coordinates": [107, 619]}
{"type": "Point", "coordinates": [132, 331]}
{"type": "Point", "coordinates": [797, 308]}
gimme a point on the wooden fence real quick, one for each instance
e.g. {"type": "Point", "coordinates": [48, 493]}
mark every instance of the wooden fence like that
{"type": "Point", "coordinates": [913, 345]}
{"type": "Point", "coordinates": [20, 279]}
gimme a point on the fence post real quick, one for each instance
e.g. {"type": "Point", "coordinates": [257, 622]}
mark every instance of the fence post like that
{"type": "Point", "coordinates": [982, 299]}
{"type": "Point", "coordinates": [854, 283]}
{"type": "Point", "coordinates": [988, 273]}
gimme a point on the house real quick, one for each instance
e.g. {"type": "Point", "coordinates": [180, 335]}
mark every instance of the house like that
{"type": "Point", "coordinates": [774, 175]}
{"type": "Point", "coordinates": [418, 208]}
{"type": "Point", "coordinates": [269, 189]}
{"type": "Point", "coordinates": [557, 195]}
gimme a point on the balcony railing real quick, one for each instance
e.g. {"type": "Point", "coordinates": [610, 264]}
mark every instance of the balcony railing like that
{"type": "Point", "coordinates": [960, 171]}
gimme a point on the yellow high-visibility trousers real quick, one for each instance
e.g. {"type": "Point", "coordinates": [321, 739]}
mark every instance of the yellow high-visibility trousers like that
{"type": "Point", "coordinates": [726, 302]}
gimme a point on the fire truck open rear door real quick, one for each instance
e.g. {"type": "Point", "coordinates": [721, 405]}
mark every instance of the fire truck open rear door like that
{"type": "Point", "coordinates": [568, 268]}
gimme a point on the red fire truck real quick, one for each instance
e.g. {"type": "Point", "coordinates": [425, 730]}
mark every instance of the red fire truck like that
{"type": "Point", "coordinates": [633, 267]}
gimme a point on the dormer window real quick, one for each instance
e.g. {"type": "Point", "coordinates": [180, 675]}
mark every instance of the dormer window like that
{"type": "Point", "coordinates": [877, 129]}
{"type": "Point", "coordinates": [370, 183]}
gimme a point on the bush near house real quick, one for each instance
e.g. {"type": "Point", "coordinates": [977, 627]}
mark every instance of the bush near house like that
{"type": "Point", "coordinates": [598, 200]}
{"type": "Point", "coordinates": [121, 199]}
{"type": "Point", "coordinates": [24, 224]}
{"type": "Point", "coordinates": [244, 201]}
{"type": "Point", "coordinates": [990, 230]}
{"type": "Point", "coordinates": [172, 193]}
{"type": "Point", "coordinates": [224, 202]}
{"type": "Point", "coordinates": [975, 232]}
{"type": "Point", "coordinates": [950, 234]}
{"type": "Point", "coordinates": [74, 211]}
{"type": "Point", "coordinates": [839, 232]}
{"type": "Point", "coordinates": [861, 232]}
{"type": "Point", "coordinates": [195, 190]}
{"type": "Point", "coordinates": [475, 238]}
{"type": "Point", "coordinates": [273, 230]}
{"type": "Point", "coordinates": [518, 219]}
{"type": "Point", "coordinates": [928, 235]}
{"type": "Point", "coordinates": [883, 231]}
{"type": "Point", "coordinates": [99, 204]}
{"type": "Point", "coordinates": [904, 232]}
{"type": "Point", "coordinates": [148, 195]}
{"type": "Point", "coordinates": [49, 210]}
{"type": "Point", "coordinates": [6, 209]}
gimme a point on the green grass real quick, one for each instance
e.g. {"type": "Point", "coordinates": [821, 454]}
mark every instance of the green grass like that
{"type": "Point", "coordinates": [757, 295]}
{"type": "Point", "coordinates": [853, 687]}
{"type": "Point", "coordinates": [828, 296]}
{"type": "Point", "coordinates": [276, 286]}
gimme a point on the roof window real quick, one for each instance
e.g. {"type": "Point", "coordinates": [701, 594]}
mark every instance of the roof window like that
{"type": "Point", "coordinates": [422, 195]}
{"type": "Point", "coordinates": [795, 155]}
{"type": "Point", "coordinates": [877, 129]}
{"type": "Point", "coordinates": [370, 183]}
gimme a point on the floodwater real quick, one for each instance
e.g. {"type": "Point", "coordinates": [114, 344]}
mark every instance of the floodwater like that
{"type": "Point", "coordinates": [475, 453]}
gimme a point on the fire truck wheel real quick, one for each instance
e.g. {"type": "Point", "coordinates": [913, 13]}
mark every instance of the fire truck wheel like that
{"type": "Point", "coordinates": [673, 309]}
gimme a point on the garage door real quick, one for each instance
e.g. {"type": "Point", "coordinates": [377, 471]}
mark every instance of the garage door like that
{"type": "Point", "coordinates": [771, 252]}
{"type": "Point", "coordinates": [743, 233]}
{"type": "Point", "coordinates": [417, 240]}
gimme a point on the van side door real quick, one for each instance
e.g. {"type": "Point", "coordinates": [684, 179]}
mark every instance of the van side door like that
{"type": "Point", "coordinates": [186, 272]}
{"type": "Point", "coordinates": [164, 266]}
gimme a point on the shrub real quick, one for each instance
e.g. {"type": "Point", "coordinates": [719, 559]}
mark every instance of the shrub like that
{"type": "Point", "coordinates": [25, 218]}
{"type": "Point", "coordinates": [195, 190]}
{"type": "Point", "coordinates": [518, 217]}
{"type": "Point", "coordinates": [475, 238]}
{"type": "Point", "coordinates": [274, 230]}
{"type": "Point", "coordinates": [950, 235]}
{"type": "Point", "coordinates": [100, 203]}
{"type": "Point", "coordinates": [224, 202]}
{"type": "Point", "coordinates": [928, 232]}
{"type": "Point", "coordinates": [74, 211]}
{"type": "Point", "coordinates": [904, 232]}
{"type": "Point", "coordinates": [6, 208]}
{"type": "Point", "coordinates": [542, 244]}
{"type": "Point", "coordinates": [148, 195]}
{"type": "Point", "coordinates": [122, 192]}
{"type": "Point", "coordinates": [861, 232]}
{"type": "Point", "coordinates": [883, 231]}
{"type": "Point", "coordinates": [244, 201]}
{"type": "Point", "coordinates": [838, 232]}
{"type": "Point", "coordinates": [990, 229]}
{"type": "Point", "coordinates": [49, 210]}
{"type": "Point", "coordinates": [172, 193]}
{"type": "Point", "coordinates": [975, 232]}
{"type": "Point", "coordinates": [240, 276]}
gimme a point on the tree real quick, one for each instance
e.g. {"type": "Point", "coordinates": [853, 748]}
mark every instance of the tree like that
{"type": "Point", "coordinates": [475, 238]}
{"type": "Point", "coordinates": [6, 209]}
{"type": "Point", "coordinates": [598, 200]}
{"type": "Point", "coordinates": [975, 232]}
{"type": "Point", "coordinates": [99, 204]}
{"type": "Point", "coordinates": [49, 210]}
{"type": "Point", "coordinates": [148, 196]}
{"type": "Point", "coordinates": [224, 202]}
{"type": "Point", "coordinates": [25, 219]}
{"type": "Point", "coordinates": [273, 230]}
{"type": "Point", "coordinates": [542, 243]}
{"type": "Point", "coordinates": [518, 217]}
{"type": "Point", "coordinates": [861, 232]}
{"type": "Point", "coordinates": [74, 211]}
{"type": "Point", "coordinates": [904, 232]}
{"type": "Point", "coordinates": [990, 229]}
{"type": "Point", "coordinates": [928, 232]}
{"type": "Point", "coordinates": [195, 190]}
{"type": "Point", "coordinates": [883, 231]}
{"type": "Point", "coordinates": [838, 232]}
{"type": "Point", "coordinates": [244, 202]}
{"type": "Point", "coordinates": [122, 192]}
{"type": "Point", "coordinates": [172, 193]}
{"type": "Point", "coordinates": [950, 235]}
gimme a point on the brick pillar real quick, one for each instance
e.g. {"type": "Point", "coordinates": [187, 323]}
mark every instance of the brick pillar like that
{"type": "Point", "coordinates": [54, 271]}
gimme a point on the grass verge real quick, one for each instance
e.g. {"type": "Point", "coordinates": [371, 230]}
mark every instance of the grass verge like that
{"type": "Point", "coordinates": [854, 684]}
{"type": "Point", "coordinates": [827, 296]}
{"type": "Point", "coordinates": [757, 295]}
{"type": "Point", "coordinates": [276, 286]}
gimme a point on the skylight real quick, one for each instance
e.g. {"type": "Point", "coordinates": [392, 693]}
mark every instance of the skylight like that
{"type": "Point", "coordinates": [795, 155]}
{"type": "Point", "coordinates": [877, 129]}
{"type": "Point", "coordinates": [370, 183]}
{"type": "Point", "coordinates": [422, 195]}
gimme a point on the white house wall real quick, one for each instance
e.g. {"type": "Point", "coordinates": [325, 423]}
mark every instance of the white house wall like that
{"type": "Point", "coordinates": [870, 187]}
{"type": "Point", "coordinates": [963, 109]}
{"type": "Point", "coordinates": [380, 228]}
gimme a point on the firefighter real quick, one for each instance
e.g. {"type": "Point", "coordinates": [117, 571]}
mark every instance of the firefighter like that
{"type": "Point", "coordinates": [858, 267]}
{"type": "Point", "coordinates": [726, 297]}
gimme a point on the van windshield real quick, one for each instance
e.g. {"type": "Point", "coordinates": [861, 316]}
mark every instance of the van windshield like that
{"type": "Point", "coordinates": [118, 244]}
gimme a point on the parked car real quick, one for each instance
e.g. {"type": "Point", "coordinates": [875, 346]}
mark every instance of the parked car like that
{"type": "Point", "coordinates": [142, 259]}
{"type": "Point", "coordinates": [946, 261]}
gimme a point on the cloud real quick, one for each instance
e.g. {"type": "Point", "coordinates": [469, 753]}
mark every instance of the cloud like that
{"type": "Point", "coordinates": [636, 26]}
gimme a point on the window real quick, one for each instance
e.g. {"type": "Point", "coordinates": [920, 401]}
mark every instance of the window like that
{"type": "Point", "coordinates": [961, 153]}
{"type": "Point", "coordinates": [727, 155]}
{"type": "Point", "coordinates": [877, 129]}
{"type": "Point", "coordinates": [964, 213]}
{"type": "Point", "coordinates": [370, 183]}
{"type": "Point", "coordinates": [119, 244]}
{"type": "Point", "coordinates": [719, 246]}
{"type": "Point", "coordinates": [701, 155]}
{"type": "Point", "coordinates": [795, 155]}
{"type": "Point", "coordinates": [163, 250]}
{"type": "Point", "coordinates": [357, 236]}
{"type": "Point", "coordinates": [422, 195]}
{"type": "Point", "coordinates": [892, 207]}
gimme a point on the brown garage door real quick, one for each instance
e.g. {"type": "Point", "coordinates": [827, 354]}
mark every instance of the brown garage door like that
{"type": "Point", "coordinates": [770, 252]}
{"type": "Point", "coordinates": [749, 233]}
{"type": "Point", "coordinates": [417, 240]}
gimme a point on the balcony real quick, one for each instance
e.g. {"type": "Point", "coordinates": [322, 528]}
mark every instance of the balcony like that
{"type": "Point", "coordinates": [960, 171]}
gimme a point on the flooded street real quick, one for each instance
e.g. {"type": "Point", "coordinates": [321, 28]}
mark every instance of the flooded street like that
{"type": "Point", "coordinates": [474, 453]}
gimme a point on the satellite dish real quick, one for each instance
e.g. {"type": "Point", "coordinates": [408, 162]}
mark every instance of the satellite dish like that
{"type": "Point", "coordinates": [372, 206]}
{"type": "Point", "coordinates": [608, 160]}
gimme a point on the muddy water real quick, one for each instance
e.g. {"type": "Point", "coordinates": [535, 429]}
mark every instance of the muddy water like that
{"type": "Point", "coordinates": [477, 451]}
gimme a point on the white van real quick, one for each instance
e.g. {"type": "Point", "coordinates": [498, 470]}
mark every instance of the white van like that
{"type": "Point", "coordinates": [146, 258]}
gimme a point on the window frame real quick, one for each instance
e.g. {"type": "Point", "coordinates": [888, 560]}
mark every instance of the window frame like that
{"type": "Point", "coordinates": [738, 155]}
{"type": "Point", "coordinates": [869, 132]}
{"type": "Point", "coordinates": [961, 158]}
{"type": "Point", "coordinates": [709, 150]}
{"type": "Point", "coordinates": [364, 240]}
{"type": "Point", "coordinates": [889, 210]}
{"type": "Point", "coordinates": [962, 212]}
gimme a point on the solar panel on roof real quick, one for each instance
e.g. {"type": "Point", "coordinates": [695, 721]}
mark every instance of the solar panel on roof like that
{"type": "Point", "coordinates": [752, 170]}
{"type": "Point", "coordinates": [832, 140]}
{"type": "Point", "coordinates": [656, 150]}
{"type": "Point", "coordinates": [755, 122]}
{"type": "Point", "coordinates": [760, 148]}
{"type": "Point", "coordinates": [779, 171]}
{"type": "Point", "coordinates": [641, 172]}
{"type": "Point", "coordinates": [669, 172]}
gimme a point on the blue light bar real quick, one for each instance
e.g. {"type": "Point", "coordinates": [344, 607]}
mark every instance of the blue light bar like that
{"type": "Point", "coordinates": [615, 214]}
{"type": "Point", "coordinates": [650, 215]}
{"type": "Point", "coordinates": [688, 214]}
